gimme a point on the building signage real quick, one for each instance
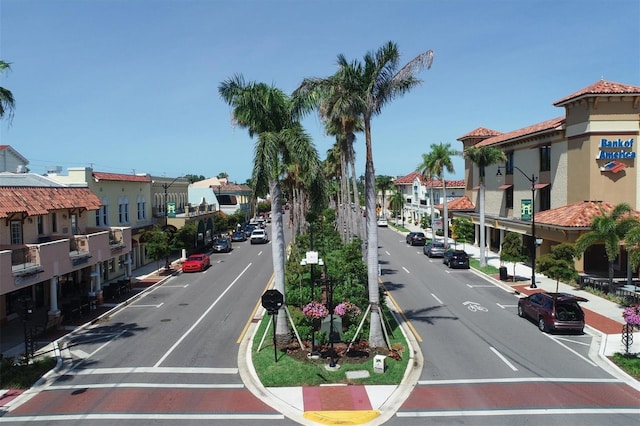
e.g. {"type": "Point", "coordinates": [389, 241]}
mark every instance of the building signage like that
{"type": "Point", "coordinates": [616, 149]}
{"type": "Point", "coordinates": [525, 209]}
{"type": "Point", "coordinates": [171, 209]}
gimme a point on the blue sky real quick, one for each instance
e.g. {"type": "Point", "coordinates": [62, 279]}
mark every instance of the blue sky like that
{"type": "Point", "coordinates": [130, 86]}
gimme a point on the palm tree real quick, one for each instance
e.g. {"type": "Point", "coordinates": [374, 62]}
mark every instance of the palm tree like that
{"type": "Point", "coordinates": [383, 184]}
{"type": "Point", "coordinates": [396, 202]}
{"type": "Point", "coordinates": [427, 175]}
{"type": "Point", "coordinates": [608, 229]}
{"type": "Point", "coordinates": [482, 157]}
{"type": "Point", "coordinates": [364, 88]}
{"type": "Point", "coordinates": [7, 102]}
{"type": "Point", "coordinates": [266, 112]}
{"type": "Point", "coordinates": [632, 242]}
{"type": "Point", "coordinates": [439, 162]}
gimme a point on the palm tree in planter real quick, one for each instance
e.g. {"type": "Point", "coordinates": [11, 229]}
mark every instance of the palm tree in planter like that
{"type": "Point", "coordinates": [267, 112]}
{"type": "Point", "coordinates": [608, 229]}
{"type": "Point", "coordinates": [396, 202]}
{"type": "Point", "coordinates": [366, 87]}
{"type": "Point", "coordinates": [483, 157]}
{"type": "Point", "coordinates": [424, 168]}
{"type": "Point", "coordinates": [439, 162]}
{"type": "Point", "coordinates": [383, 184]}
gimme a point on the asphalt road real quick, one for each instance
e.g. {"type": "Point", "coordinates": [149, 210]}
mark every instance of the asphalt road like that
{"type": "Point", "coordinates": [485, 365]}
{"type": "Point", "coordinates": [170, 357]}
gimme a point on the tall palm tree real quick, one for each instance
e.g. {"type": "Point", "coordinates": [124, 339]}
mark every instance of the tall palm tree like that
{"type": "Point", "coordinates": [396, 202]}
{"type": "Point", "coordinates": [608, 229]}
{"type": "Point", "coordinates": [424, 168]}
{"type": "Point", "coordinates": [483, 157]}
{"type": "Point", "coordinates": [266, 112]}
{"type": "Point", "coordinates": [383, 184]}
{"type": "Point", "coordinates": [439, 163]}
{"type": "Point", "coordinates": [364, 88]}
{"type": "Point", "coordinates": [7, 102]}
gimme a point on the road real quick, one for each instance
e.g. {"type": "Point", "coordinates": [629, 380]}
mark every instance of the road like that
{"type": "Point", "coordinates": [170, 357]}
{"type": "Point", "coordinates": [485, 365]}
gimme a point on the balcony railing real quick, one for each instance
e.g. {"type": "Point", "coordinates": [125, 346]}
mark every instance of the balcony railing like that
{"type": "Point", "coordinates": [25, 261]}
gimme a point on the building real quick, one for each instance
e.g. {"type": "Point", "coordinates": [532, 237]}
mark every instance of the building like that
{"type": "Point", "coordinates": [11, 160]}
{"type": "Point", "coordinates": [562, 172]}
{"type": "Point", "coordinates": [52, 254]}
{"type": "Point", "coordinates": [230, 197]}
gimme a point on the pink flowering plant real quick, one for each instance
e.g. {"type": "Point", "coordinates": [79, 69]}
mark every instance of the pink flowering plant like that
{"type": "Point", "coordinates": [315, 310]}
{"type": "Point", "coordinates": [632, 315]}
{"type": "Point", "coordinates": [347, 309]}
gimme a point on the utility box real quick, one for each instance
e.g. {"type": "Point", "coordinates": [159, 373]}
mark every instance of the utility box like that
{"type": "Point", "coordinates": [379, 363]}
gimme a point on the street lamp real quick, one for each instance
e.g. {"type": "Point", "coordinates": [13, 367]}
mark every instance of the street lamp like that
{"type": "Point", "coordinates": [219, 206]}
{"type": "Point", "coordinates": [166, 186]}
{"type": "Point", "coordinates": [533, 179]}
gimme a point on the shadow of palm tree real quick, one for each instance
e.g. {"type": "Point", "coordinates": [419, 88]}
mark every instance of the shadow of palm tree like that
{"type": "Point", "coordinates": [425, 315]}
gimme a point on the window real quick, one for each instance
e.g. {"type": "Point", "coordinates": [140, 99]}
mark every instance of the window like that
{"type": "Point", "coordinates": [123, 210]}
{"type": "Point", "coordinates": [74, 224]}
{"type": "Point", "coordinates": [102, 214]}
{"type": "Point", "coordinates": [509, 164]}
{"type": "Point", "coordinates": [40, 223]}
{"type": "Point", "coordinates": [141, 208]}
{"type": "Point", "coordinates": [545, 158]}
{"type": "Point", "coordinates": [545, 198]}
{"type": "Point", "coordinates": [509, 197]}
{"type": "Point", "coordinates": [16, 232]}
{"type": "Point", "coordinates": [54, 222]}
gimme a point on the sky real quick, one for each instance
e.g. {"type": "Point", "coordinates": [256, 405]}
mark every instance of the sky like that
{"type": "Point", "coordinates": [131, 86]}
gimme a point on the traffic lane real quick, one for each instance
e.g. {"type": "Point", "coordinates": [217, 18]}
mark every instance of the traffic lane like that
{"type": "Point", "coordinates": [449, 295]}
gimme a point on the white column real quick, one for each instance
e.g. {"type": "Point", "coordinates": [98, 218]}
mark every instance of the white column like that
{"type": "Point", "coordinates": [501, 240]}
{"type": "Point", "coordinates": [127, 262]}
{"type": "Point", "coordinates": [53, 296]}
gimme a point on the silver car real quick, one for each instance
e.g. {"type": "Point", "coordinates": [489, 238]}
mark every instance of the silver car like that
{"type": "Point", "coordinates": [434, 249]}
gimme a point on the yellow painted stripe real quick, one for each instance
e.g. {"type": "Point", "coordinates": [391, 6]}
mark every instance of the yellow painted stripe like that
{"type": "Point", "coordinates": [344, 417]}
{"type": "Point", "coordinates": [401, 312]}
{"type": "Point", "coordinates": [255, 309]}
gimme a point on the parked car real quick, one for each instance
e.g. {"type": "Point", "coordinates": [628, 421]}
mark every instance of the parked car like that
{"type": "Point", "coordinates": [416, 238]}
{"type": "Point", "coordinates": [259, 236]}
{"type": "Point", "coordinates": [238, 236]}
{"type": "Point", "coordinates": [382, 222]}
{"type": "Point", "coordinates": [455, 258]}
{"type": "Point", "coordinates": [221, 245]}
{"type": "Point", "coordinates": [248, 229]}
{"type": "Point", "coordinates": [434, 249]}
{"type": "Point", "coordinates": [196, 263]}
{"type": "Point", "coordinates": [553, 311]}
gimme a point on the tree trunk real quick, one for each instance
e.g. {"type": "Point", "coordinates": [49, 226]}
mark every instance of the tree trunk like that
{"type": "Point", "coordinates": [278, 253]}
{"type": "Point", "coordinates": [445, 219]}
{"type": "Point", "coordinates": [483, 260]}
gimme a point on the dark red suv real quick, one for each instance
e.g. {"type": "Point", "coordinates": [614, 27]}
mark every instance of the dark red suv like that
{"type": "Point", "coordinates": [553, 311]}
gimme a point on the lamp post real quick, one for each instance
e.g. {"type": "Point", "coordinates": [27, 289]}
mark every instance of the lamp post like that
{"type": "Point", "coordinates": [533, 179]}
{"type": "Point", "coordinates": [219, 189]}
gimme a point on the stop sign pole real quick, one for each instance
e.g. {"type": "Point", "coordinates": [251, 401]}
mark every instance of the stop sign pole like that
{"type": "Point", "coordinates": [272, 300]}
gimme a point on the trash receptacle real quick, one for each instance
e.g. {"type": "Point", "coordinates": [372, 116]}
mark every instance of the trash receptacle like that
{"type": "Point", "coordinates": [503, 273]}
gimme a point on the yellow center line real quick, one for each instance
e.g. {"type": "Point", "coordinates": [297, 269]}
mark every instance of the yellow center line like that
{"type": "Point", "coordinates": [401, 312]}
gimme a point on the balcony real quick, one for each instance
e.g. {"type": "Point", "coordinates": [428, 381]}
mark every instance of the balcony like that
{"type": "Point", "coordinates": [25, 262]}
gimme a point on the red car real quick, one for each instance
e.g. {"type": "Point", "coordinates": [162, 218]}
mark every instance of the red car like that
{"type": "Point", "coordinates": [196, 263]}
{"type": "Point", "coordinates": [553, 311]}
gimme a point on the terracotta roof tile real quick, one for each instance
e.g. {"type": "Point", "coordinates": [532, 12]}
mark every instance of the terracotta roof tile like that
{"type": "Point", "coordinates": [121, 177]}
{"type": "Point", "coordinates": [602, 87]}
{"type": "Point", "coordinates": [480, 132]}
{"type": "Point", "coordinates": [554, 123]}
{"type": "Point", "coordinates": [408, 179]}
{"type": "Point", "coordinates": [34, 201]}
{"type": "Point", "coordinates": [576, 215]}
{"type": "Point", "coordinates": [460, 204]}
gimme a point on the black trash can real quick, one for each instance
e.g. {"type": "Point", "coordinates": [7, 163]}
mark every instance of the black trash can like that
{"type": "Point", "coordinates": [503, 273]}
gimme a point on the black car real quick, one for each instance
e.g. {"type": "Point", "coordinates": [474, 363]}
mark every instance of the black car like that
{"type": "Point", "coordinates": [238, 236]}
{"type": "Point", "coordinates": [221, 245]}
{"type": "Point", "coordinates": [434, 249]}
{"type": "Point", "coordinates": [416, 238]}
{"type": "Point", "coordinates": [456, 258]}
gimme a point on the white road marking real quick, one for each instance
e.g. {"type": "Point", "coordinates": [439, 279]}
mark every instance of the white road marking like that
{"type": "Point", "coordinates": [388, 254]}
{"type": "Point", "coordinates": [587, 360]}
{"type": "Point", "coordinates": [506, 306]}
{"type": "Point", "coordinates": [176, 286]}
{"type": "Point", "coordinates": [146, 306]}
{"type": "Point", "coordinates": [195, 324]}
{"type": "Point", "coordinates": [545, 411]}
{"type": "Point", "coordinates": [519, 380]}
{"type": "Point", "coordinates": [503, 358]}
{"type": "Point", "coordinates": [436, 297]}
{"type": "Point", "coordinates": [150, 385]}
{"type": "Point", "coordinates": [153, 370]}
{"type": "Point", "coordinates": [480, 286]}
{"type": "Point", "coordinates": [142, 417]}
{"type": "Point", "coordinates": [406, 270]}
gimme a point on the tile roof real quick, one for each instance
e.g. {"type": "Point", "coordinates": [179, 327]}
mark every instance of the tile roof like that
{"type": "Point", "coordinates": [460, 204]}
{"type": "Point", "coordinates": [576, 215]}
{"type": "Point", "coordinates": [98, 176]}
{"type": "Point", "coordinates": [408, 179]}
{"type": "Point", "coordinates": [601, 87]}
{"type": "Point", "coordinates": [553, 124]}
{"type": "Point", "coordinates": [34, 201]}
{"type": "Point", "coordinates": [480, 132]}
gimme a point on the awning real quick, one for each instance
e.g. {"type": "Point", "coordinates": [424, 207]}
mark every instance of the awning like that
{"type": "Point", "coordinates": [541, 185]}
{"type": "Point", "coordinates": [506, 186]}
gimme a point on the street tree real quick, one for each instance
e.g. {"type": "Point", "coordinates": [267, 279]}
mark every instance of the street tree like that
{"type": "Point", "coordinates": [396, 202]}
{"type": "Point", "coordinates": [483, 157]}
{"type": "Point", "coordinates": [425, 169]}
{"type": "Point", "coordinates": [463, 230]}
{"type": "Point", "coordinates": [438, 161]}
{"type": "Point", "coordinates": [559, 264]}
{"type": "Point", "coordinates": [267, 114]}
{"type": "Point", "coordinates": [512, 251]}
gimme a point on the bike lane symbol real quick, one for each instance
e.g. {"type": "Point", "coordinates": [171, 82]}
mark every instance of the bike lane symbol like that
{"type": "Point", "coordinates": [475, 307]}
